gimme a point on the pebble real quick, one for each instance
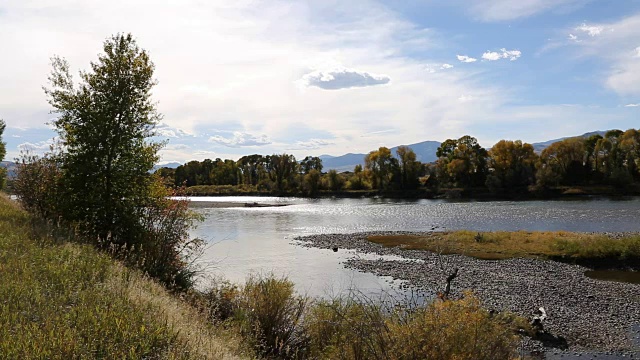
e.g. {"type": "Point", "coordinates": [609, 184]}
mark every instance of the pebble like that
{"type": "Point", "coordinates": [595, 317]}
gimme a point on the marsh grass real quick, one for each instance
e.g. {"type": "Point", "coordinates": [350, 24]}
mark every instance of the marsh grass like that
{"type": "Point", "coordinates": [509, 244]}
{"type": "Point", "coordinates": [67, 301]}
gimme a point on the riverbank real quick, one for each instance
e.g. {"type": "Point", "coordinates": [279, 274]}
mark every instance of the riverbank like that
{"type": "Point", "coordinates": [590, 315]}
{"type": "Point", "coordinates": [63, 300]}
{"type": "Point", "coordinates": [479, 193]}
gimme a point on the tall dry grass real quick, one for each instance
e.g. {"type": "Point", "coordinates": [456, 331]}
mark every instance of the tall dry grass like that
{"type": "Point", "coordinates": [65, 301]}
{"type": "Point", "coordinates": [282, 325]}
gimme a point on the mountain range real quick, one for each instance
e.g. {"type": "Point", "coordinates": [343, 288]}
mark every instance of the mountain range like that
{"type": "Point", "coordinates": [425, 152]}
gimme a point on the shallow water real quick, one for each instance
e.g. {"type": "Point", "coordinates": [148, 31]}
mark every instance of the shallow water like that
{"type": "Point", "coordinates": [615, 275]}
{"type": "Point", "coordinates": [243, 240]}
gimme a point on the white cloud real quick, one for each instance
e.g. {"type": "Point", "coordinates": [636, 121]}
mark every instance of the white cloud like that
{"type": "Point", "coordinates": [170, 147]}
{"type": "Point", "coordinates": [466, 59]}
{"type": "Point", "coordinates": [512, 55]}
{"type": "Point", "coordinates": [465, 98]}
{"type": "Point", "coordinates": [378, 132]}
{"type": "Point", "coordinates": [312, 144]}
{"type": "Point", "coordinates": [505, 10]}
{"type": "Point", "coordinates": [590, 30]}
{"type": "Point", "coordinates": [38, 148]}
{"type": "Point", "coordinates": [204, 154]}
{"type": "Point", "coordinates": [165, 130]}
{"type": "Point", "coordinates": [632, 105]}
{"type": "Point", "coordinates": [342, 79]}
{"type": "Point", "coordinates": [616, 44]}
{"type": "Point", "coordinates": [240, 139]}
{"type": "Point", "coordinates": [491, 56]}
{"type": "Point", "coordinates": [637, 52]}
{"type": "Point", "coordinates": [446, 66]}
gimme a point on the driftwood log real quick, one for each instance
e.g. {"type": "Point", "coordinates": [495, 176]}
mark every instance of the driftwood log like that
{"type": "Point", "coordinates": [447, 288]}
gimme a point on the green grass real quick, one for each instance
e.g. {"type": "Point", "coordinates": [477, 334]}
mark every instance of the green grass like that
{"type": "Point", "coordinates": [510, 244]}
{"type": "Point", "coordinates": [67, 301]}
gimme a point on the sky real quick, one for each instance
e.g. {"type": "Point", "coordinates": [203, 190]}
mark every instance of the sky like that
{"type": "Point", "coordinates": [333, 77]}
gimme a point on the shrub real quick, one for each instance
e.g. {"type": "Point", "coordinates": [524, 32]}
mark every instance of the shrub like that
{"type": "Point", "coordinates": [161, 246]}
{"type": "Point", "coordinates": [37, 185]}
{"type": "Point", "coordinates": [348, 329]}
{"type": "Point", "coordinates": [220, 301]}
{"type": "Point", "coordinates": [458, 329]}
{"type": "Point", "coordinates": [269, 313]}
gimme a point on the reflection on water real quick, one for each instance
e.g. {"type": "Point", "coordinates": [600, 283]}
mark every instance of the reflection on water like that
{"type": "Point", "coordinates": [615, 275]}
{"type": "Point", "coordinates": [242, 239]}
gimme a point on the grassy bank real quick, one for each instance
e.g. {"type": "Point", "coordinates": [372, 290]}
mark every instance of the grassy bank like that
{"type": "Point", "coordinates": [559, 245]}
{"type": "Point", "coordinates": [60, 300]}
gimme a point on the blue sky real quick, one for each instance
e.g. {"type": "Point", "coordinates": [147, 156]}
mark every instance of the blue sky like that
{"type": "Point", "coordinates": [331, 77]}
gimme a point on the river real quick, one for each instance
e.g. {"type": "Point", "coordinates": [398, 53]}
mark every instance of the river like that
{"type": "Point", "coordinates": [241, 240]}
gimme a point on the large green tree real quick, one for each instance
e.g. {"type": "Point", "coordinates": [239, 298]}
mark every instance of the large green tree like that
{"type": "Point", "coordinates": [310, 163]}
{"type": "Point", "coordinates": [462, 162]}
{"type": "Point", "coordinates": [408, 166]}
{"type": "Point", "coordinates": [105, 123]}
{"type": "Point", "coordinates": [562, 163]}
{"type": "Point", "coordinates": [282, 169]}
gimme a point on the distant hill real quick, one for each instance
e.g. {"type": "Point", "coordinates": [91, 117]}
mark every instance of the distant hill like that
{"type": "Point", "coordinates": [341, 163]}
{"type": "Point", "coordinates": [11, 168]}
{"type": "Point", "coordinates": [538, 147]}
{"type": "Point", "coordinates": [171, 165]}
{"type": "Point", "coordinates": [425, 152]}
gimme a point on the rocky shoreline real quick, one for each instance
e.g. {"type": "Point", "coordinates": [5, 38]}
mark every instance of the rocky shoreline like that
{"type": "Point", "coordinates": [584, 314]}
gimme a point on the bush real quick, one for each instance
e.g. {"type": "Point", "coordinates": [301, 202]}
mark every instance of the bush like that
{"type": "Point", "coordinates": [458, 329]}
{"type": "Point", "coordinates": [220, 301]}
{"type": "Point", "coordinates": [37, 185]}
{"type": "Point", "coordinates": [451, 330]}
{"type": "Point", "coordinates": [348, 329]}
{"type": "Point", "coordinates": [269, 313]}
{"type": "Point", "coordinates": [279, 324]}
{"type": "Point", "coordinates": [163, 248]}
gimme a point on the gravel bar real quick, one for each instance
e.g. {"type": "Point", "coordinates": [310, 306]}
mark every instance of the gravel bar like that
{"type": "Point", "coordinates": [593, 316]}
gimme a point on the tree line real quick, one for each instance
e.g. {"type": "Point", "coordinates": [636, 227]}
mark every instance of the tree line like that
{"type": "Point", "coordinates": [507, 168]}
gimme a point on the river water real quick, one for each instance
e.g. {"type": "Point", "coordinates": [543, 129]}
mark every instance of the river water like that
{"type": "Point", "coordinates": [242, 240]}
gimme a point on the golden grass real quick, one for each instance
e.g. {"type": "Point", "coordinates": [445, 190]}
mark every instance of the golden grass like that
{"type": "Point", "coordinates": [203, 340]}
{"type": "Point", "coordinates": [455, 329]}
{"type": "Point", "coordinates": [60, 301]}
{"type": "Point", "coordinates": [510, 244]}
